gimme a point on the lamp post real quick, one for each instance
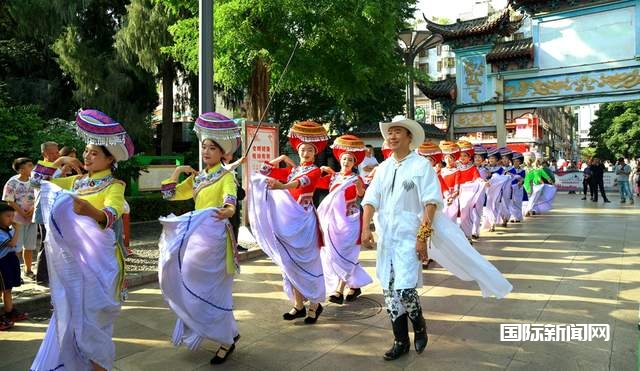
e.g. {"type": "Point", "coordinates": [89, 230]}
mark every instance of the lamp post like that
{"type": "Point", "coordinates": [205, 62]}
{"type": "Point", "coordinates": [414, 41]}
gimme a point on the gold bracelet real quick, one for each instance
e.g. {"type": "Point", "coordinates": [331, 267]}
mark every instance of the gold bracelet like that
{"type": "Point", "coordinates": [424, 232]}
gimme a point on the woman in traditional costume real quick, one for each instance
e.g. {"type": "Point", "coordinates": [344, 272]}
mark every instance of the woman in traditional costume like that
{"type": "Point", "coordinates": [479, 159]}
{"type": "Point", "coordinates": [471, 187]}
{"type": "Point", "coordinates": [450, 175]}
{"type": "Point", "coordinates": [86, 267]}
{"type": "Point", "coordinates": [284, 221]}
{"type": "Point", "coordinates": [340, 220]}
{"type": "Point", "coordinates": [518, 195]}
{"type": "Point", "coordinates": [433, 153]}
{"type": "Point", "coordinates": [507, 191]}
{"type": "Point", "coordinates": [197, 249]}
{"type": "Point", "coordinates": [497, 181]}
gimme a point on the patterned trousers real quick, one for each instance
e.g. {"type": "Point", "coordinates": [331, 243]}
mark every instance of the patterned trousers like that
{"type": "Point", "coordinates": [401, 301]}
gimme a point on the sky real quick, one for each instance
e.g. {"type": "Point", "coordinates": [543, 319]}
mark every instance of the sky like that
{"type": "Point", "coordinates": [450, 8]}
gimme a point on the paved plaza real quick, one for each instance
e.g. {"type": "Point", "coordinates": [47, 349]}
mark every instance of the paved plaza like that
{"type": "Point", "coordinates": [578, 264]}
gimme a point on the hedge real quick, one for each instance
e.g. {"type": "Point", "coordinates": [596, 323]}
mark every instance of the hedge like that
{"type": "Point", "coordinates": [151, 206]}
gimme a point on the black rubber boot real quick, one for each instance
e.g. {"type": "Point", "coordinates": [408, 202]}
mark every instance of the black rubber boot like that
{"type": "Point", "coordinates": [420, 338]}
{"type": "Point", "coordinates": [401, 343]}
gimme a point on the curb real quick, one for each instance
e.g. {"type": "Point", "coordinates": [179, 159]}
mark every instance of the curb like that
{"type": "Point", "coordinates": [42, 301]}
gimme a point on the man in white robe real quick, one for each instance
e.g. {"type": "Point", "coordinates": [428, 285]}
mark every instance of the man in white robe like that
{"type": "Point", "coordinates": [405, 193]}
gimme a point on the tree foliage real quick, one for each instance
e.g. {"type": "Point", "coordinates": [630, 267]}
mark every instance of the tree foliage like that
{"type": "Point", "coordinates": [345, 49]}
{"type": "Point", "coordinates": [616, 131]}
{"type": "Point", "coordinates": [139, 41]}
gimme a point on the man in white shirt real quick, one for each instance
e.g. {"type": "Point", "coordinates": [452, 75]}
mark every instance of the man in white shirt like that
{"type": "Point", "coordinates": [367, 165]}
{"type": "Point", "coordinates": [405, 193]}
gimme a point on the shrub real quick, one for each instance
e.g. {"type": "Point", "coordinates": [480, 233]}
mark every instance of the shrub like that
{"type": "Point", "coordinates": [151, 206]}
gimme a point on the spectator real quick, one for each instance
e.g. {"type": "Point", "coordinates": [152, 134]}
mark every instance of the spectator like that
{"type": "Point", "coordinates": [49, 154]}
{"type": "Point", "coordinates": [9, 265]}
{"type": "Point", "coordinates": [622, 171]}
{"type": "Point", "coordinates": [586, 180]}
{"type": "Point", "coordinates": [597, 179]}
{"type": "Point", "coordinates": [19, 194]}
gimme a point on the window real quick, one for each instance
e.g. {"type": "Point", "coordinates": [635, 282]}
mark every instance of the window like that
{"type": "Point", "coordinates": [439, 49]}
{"type": "Point", "coordinates": [439, 66]}
{"type": "Point", "coordinates": [518, 36]}
{"type": "Point", "coordinates": [424, 53]}
{"type": "Point", "coordinates": [450, 62]}
{"type": "Point", "coordinates": [424, 67]}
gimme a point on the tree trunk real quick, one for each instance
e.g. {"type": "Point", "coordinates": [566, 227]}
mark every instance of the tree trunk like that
{"type": "Point", "coordinates": [166, 137]}
{"type": "Point", "coordinates": [258, 90]}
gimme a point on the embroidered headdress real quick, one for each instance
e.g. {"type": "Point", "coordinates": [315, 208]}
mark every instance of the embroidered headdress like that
{"type": "Point", "coordinates": [96, 128]}
{"type": "Point", "coordinates": [480, 150]}
{"type": "Point", "coordinates": [466, 146]}
{"type": "Point", "coordinates": [518, 156]}
{"type": "Point", "coordinates": [220, 129]}
{"type": "Point", "coordinates": [450, 148]}
{"type": "Point", "coordinates": [493, 152]}
{"type": "Point", "coordinates": [308, 132]}
{"type": "Point", "coordinates": [430, 149]}
{"type": "Point", "coordinates": [506, 151]}
{"type": "Point", "coordinates": [349, 144]}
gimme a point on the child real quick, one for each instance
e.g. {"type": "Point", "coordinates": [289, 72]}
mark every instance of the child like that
{"type": "Point", "coordinates": [19, 194]}
{"type": "Point", "coordinates": [9, 265]}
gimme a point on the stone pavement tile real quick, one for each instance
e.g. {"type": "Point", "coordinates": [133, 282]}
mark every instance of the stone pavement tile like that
{"type": "Point", "coordinates": [19, 345]}
{"type": "Point", "coordinates": [132, 337]}
{"type": "Point", "coordinates": [515, 308]}
{"type": "Point", "coordinates": [362, 352]}
{"type": "Point", "coordinates": [560, 356]}
{"type": "Point", "coordinates": [456, 353]}
{"type": "Point", "coordinates": [282, 351]}
{"type": "Point", "coordinates": [625, 344]}
{"type": "Point", "coordinates": [161, 358]}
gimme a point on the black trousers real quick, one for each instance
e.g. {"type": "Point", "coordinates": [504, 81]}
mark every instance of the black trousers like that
{"type": "Point", "coordinates": [42, 275]}
{"type": "Point", "coordinates": [595, 185]}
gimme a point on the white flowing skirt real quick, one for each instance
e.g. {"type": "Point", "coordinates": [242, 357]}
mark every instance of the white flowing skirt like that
{"type": "Point", "coordinates": [288, 234]}
{"type": "Point", "coordinates": [450, 248]}
{"type": "Point", "coordinates": [493, 206]}
{"type": "Point", "coordinates": [193, 276]}
{"type": "Point", "coordinates": [341, 233]}
{"type": "Point", "coordinates": [84, 278]}
{"type": "Point", "coordinates": [470, 194]}
{"type": "Point", "coordinates": [541, 199]}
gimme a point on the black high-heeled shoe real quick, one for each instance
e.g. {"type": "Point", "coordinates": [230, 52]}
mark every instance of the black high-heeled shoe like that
{"type": "Point", "coordinates": [316, 313]}
{"type": "Point", "coordinates": [353, 295]}
{"type": "Point", "coordinates": [337, 297]}
{"type": "Point", "coordinates": [299, 313]}
{"type": "Point", "coordinates": [222, 354]}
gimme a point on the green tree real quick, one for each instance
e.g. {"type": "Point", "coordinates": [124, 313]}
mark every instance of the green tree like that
{"type": "Point", "coordinates": [139, 41]}
{"type": "Point", "coordinates": [346, 49]}
{"type": "Point", "coordinates": [103, 79]}
{"type": "Point", "coordinates": [616, 131]}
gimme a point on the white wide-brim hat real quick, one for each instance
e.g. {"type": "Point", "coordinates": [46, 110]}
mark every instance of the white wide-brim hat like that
{"type": "Point", "coordinates": [417, 132]}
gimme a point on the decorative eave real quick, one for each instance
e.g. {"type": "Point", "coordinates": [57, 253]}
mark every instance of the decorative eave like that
{"type": "Point", "coordinates": [546, 6]}
{"type": "Point", "coordinates": [439, 90]}
{"type": "Point", "coordinates": [522, 48]}
{"type": "Point", "coordinates": [432, 132]}
{"type": "Point", "coordinates": [477, 31]}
